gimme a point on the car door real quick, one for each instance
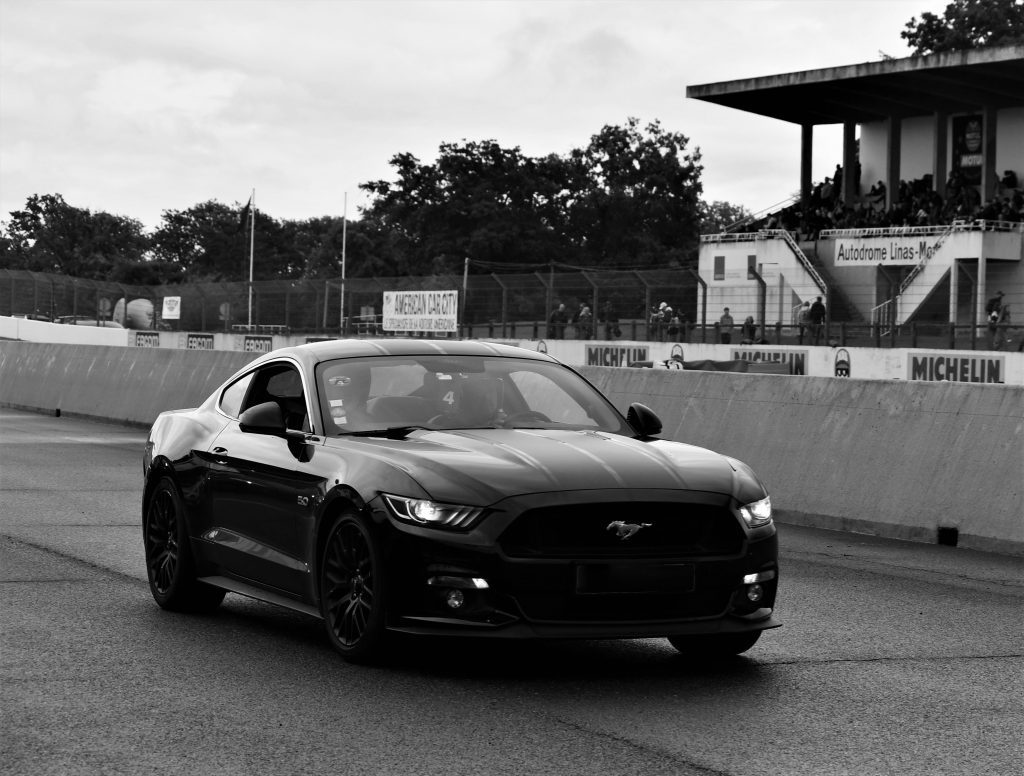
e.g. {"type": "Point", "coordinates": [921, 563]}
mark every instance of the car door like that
{"type": "Point", "coordinates": [259, 500]}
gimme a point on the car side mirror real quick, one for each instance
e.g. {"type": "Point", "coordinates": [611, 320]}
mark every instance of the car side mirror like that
{"type": "Point", "coordinates": [643, 420]}
{"type": "Point", "coordinates": [265, 418]}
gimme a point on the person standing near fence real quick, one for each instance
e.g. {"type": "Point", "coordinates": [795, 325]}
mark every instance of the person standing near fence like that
{"type": "Point", "coordinates": [556, 322]}
{"type": "Point", "coordinates": [817, 318]}
{"type": "Point", "coordinates": [611, 321]}
{"type": "Point", "coordinates": [725, 324]}
{"type": "Point", "coordinates": [803, 320]}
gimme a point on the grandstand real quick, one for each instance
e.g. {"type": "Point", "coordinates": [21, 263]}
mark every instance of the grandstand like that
{"type": "Point", "coordinates": [922, 221]}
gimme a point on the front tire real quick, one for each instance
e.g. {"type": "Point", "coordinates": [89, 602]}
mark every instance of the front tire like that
{"type": "Point", "coordinates": [717, 645]}
{"type": "Point", "coordinates": [170, 566]}
{"type": "Point", "coordinates": [352, 589]}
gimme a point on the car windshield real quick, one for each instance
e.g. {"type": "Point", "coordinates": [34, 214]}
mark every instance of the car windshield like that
{"type": "Point", "coordinates": [359, 395]}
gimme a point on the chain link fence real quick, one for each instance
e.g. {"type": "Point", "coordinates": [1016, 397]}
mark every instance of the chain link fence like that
{"type": "Point", "coordinates": [506, 305]}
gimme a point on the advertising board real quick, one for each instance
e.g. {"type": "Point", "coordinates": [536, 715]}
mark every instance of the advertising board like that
{"type": "Point", "coordinates": [421, 311]}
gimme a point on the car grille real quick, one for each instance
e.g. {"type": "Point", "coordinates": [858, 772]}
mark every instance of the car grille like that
{"type": "Point", "coordinates": [585, 531]}
{"type": "Point", "coordinates": [624, 607]}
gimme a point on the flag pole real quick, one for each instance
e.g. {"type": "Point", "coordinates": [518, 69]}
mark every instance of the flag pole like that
{"type": "Point", "coordinates": [252, 246]}
{"type": "Point", "coordinates": [344, 241]}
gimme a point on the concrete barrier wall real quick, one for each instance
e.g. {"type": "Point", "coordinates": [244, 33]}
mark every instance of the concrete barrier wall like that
{"type": "Point", "coordinates": [127, 385]}
{"type": "Point", "coordinates": [890, 458]}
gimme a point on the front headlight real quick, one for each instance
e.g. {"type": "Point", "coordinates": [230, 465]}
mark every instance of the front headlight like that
{"type": "Point", "coordinates": [423, 512]}
{"type": "Point", "coordinates": [757, 513]}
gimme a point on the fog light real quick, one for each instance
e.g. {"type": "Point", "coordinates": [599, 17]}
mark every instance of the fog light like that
{"type": "Point", "coordinates": [755, 593]}
{"type": "Point", "coordinates": [455, 599]}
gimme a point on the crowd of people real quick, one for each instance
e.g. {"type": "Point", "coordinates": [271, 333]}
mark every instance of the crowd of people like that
{"type": "Point", "coordinates": [915, 204]}
{"type": "Point", "coordinates": [581, 323]}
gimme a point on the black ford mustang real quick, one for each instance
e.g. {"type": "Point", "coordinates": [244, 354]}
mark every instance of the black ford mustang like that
{"type": "Point", "coordinates": [446, 487]}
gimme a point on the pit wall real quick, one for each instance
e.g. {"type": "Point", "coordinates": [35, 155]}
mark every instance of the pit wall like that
{"type": "Point", "coordinates": [917, 364]}
{"type": "Point", "coordinates": [894, 459]}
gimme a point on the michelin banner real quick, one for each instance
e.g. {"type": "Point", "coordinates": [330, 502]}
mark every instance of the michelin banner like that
{"type": "Point", "coordinates": [421, 311]}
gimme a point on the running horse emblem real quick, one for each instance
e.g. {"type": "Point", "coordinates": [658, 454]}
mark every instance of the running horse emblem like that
{"type": "Point", "coordinates": [625, 530]}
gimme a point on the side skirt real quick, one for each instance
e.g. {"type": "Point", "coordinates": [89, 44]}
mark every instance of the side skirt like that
{"type": "Point", "coordinates": [261, 594]}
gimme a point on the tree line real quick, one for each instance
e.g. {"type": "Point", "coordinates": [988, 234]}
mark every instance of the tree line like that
{"type": "Point", "coordinates": [630, 197]}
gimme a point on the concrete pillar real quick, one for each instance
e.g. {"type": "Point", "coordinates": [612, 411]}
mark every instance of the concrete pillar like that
{"type": "Point", "coordinates": [979, 297]}
{"type": "Point", "coordinates": [940, 166]}
{"type": "Point", "coordinates": [989, 174]}
{"type": "Point", "coordinates": [851, 168]}
{"type": "Point", "coordinates": [806, 158]}
{"type": "Point", "coordinates": [892, 161]}
{"type": "Point", "coordinates": [954, 287]}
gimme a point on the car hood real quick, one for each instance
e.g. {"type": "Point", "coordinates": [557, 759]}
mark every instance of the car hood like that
{"type": "Point", "coordinates": [482, 466]}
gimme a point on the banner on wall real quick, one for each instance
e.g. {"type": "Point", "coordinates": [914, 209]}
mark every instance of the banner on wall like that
{"type": "Point", "coordinates": [968, 148]}
{"type": "Point", "coordinates": [956, 367]}
{"type": "Point", "coordinates": [796, 359]}
{"type": "Point", "coordinates": [257, 343]}
{"type": "Point", "coordinates": [421, 311]}
{"type": "Point", "coordinates": [172, 308]}
{"type": "Point", "coordinates": [886, 250]}
{"type": "Point", "coordinates": [199, 342]}
{"type": "Point", "coordinates": [616, 355]}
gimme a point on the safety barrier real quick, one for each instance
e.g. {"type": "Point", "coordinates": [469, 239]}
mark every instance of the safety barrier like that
{"type": "Point", "coordinates": [910, 460]}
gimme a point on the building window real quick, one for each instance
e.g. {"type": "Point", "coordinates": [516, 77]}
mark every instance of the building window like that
{"type": "Point", "coordinates": [719, 267]}
{"type": "Point", "coordinates": [751, 265]}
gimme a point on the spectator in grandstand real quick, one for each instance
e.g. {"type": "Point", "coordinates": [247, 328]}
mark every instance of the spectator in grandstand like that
{"type": "Point", "coordinates": [557, 321]}
{"type": "Point", "coordinates": [877, 193]}
{"type": "Point", "coordinates": [803, 320]}
{"type": "Point", "coordinates": [725, 325]}
{"type": "Point", "coordinates": [1009, 181]}
{"type": "Point", "coordinates": [816, 315]}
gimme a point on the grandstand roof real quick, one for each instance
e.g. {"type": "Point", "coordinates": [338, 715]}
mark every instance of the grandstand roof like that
{"type": "Point", "coordinates": [916, 86]}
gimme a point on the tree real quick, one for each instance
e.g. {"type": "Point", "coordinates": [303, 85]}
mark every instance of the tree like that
{"type": "Point", "coordinates": [631, 196]}
{"type": "Point", "coordinates": [478, 200]}
{"type": "Point", "coordinates": [718, 216]}
{"type": "Point", "coordinates": [49, 235]}
{"type": "Point", "coordinates": [643, 203]}
{"type": "Point", "coordinates": [967, 24]}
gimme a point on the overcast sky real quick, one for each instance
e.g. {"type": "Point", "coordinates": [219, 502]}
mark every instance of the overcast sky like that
{"type": "Point", "coordinates": [138, 106]}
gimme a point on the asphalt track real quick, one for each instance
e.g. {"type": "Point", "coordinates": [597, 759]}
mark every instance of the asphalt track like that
{"type": "Point", "coordinates": [894, 658]}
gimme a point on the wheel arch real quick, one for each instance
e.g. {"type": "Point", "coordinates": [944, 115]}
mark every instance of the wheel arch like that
{"type": "Point", "coordinates": [341, 499]}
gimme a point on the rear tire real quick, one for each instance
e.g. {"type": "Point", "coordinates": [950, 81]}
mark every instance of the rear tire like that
{"type": "Point", "coordinates": [170, 566]}
{"type": "Point", "coordinates": [717, 645]}
{"type": "Point", "coordinates": [352, 589]}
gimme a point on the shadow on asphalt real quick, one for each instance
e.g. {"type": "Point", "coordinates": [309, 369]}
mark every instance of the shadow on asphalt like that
{"type": "Point", "coordinates": [280, 631]}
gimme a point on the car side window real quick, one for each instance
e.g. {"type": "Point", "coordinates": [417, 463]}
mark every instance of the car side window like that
{"type": "Point", "coordinates": [281, 384]}
{"type": "Point", "coordinates": [233, 396]}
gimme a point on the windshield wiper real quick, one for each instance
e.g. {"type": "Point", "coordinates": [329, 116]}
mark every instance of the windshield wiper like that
{"type": "Point", "coordinates": [392, 432]}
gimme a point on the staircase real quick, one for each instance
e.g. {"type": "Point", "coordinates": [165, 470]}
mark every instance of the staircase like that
{"type": "Point", "coordinates": [840, 308]}
{"type": "Point", "coordinates": [920, 285]}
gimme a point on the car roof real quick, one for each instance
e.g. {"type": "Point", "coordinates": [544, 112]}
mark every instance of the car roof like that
{"type": "Point", "coordinates": [313, 353]}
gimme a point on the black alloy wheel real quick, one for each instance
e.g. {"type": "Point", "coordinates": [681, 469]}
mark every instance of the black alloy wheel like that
{"type": "Point", "coordinates": [352, 589]}
{"type": "Point", "coordinates": [718, 645]}
{"type": "Point", "coordinates": [169, 564]}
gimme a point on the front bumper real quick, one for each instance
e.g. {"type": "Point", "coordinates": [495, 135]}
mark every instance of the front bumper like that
{"type": "Point", "coordinates": [594, 591]}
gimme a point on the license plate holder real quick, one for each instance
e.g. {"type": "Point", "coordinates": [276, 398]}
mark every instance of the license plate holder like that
{"type": "Point", "coordinates": [604, 578]}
